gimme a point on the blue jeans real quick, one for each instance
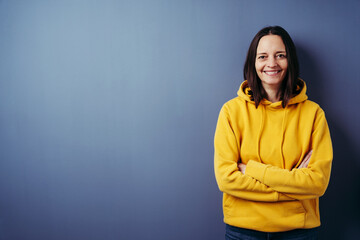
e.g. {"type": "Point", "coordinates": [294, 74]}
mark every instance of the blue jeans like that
{"type": "Point", "coordinates": [235, 233]}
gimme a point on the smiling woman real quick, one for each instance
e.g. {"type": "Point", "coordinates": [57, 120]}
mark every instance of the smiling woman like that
{"type": "Point", "coordinates": [273, 151]}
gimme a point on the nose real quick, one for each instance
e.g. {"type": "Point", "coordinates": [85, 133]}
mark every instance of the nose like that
{"type": "Point", "coordinates": [272, 62]}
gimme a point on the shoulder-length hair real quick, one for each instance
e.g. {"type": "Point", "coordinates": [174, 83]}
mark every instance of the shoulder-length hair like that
{"type": "Point", "coordinates": [288, 86]}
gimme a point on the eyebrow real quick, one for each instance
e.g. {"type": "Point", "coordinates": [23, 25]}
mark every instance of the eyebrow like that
{"type": "Point", "coordinates": [275, 52]}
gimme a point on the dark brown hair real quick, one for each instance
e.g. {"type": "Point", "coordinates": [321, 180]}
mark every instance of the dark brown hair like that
{"type": "Point", "coordinates": [288, 86]}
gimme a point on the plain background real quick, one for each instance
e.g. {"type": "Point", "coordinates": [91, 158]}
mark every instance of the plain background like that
{"type": "Point", "coordinates": [108, 111]}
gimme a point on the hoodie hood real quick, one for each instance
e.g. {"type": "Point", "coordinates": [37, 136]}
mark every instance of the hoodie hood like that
{"type": "Point", "coordinates": [245, 93]}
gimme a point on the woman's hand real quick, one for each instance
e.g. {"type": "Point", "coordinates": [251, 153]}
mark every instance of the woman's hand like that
{"type": "Point", "coordinates": [306, 160]}
{"type": "Point", "coordinates": [242, 167]}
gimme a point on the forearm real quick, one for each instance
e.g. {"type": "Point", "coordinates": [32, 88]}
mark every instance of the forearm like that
{"type": "Point", "coordinates": [231, 181]}
{"type": "Point", "coordinates": [301, 183]}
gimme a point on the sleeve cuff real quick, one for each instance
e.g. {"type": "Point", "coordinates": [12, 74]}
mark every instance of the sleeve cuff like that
{"type": "Point", "coordinates": [256, 170]}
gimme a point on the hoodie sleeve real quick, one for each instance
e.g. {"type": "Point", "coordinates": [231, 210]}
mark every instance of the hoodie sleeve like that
{"type": "Point", "coordinates": [229, 179]}
{"type": "Point", "coordinates": [304, 183]}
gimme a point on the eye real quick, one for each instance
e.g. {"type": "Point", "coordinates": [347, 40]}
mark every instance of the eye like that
{"type": "Point", "coordinates": [281, 56]}
{"type": "Point", "coordinates": [261, 57]}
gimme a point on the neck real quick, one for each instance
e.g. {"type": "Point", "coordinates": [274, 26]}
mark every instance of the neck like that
{"type": "Point", "coordinates": [273, 93]}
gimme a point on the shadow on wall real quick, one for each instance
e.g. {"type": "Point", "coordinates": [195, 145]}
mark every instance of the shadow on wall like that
{"type": "Point", "coordinates": [339, 207]}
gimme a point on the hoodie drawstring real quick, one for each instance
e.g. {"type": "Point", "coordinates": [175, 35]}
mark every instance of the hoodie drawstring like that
{"type": "Point", "coordinates": [260, 131]}
{"type": "Point", "coordinates": [283, 136]}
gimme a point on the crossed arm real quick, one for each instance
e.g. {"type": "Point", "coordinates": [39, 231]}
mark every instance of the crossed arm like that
{"type": "Point", "coordinates": [304, 163]}
{"type": "Point", "coordinates": [260, 182]}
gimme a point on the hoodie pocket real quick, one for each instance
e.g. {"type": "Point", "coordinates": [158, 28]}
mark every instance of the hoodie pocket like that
{"type": "Point", "coordinates": [273, 216]}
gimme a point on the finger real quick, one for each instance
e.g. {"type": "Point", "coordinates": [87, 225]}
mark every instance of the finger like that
{"type": "Point", "coordinates": [310, 153]}
{"type": "Point", "coordinates": [308, 160]}
{"type": "Point", "coordinates": [307, 157]}
{"type": "Point", "coordinates": [305, 161]}
{"type": "Point", "coordinates": [302, 164]}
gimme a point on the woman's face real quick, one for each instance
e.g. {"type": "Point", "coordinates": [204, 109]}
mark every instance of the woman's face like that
{"type": "Point", "coordinates": [271, 62]}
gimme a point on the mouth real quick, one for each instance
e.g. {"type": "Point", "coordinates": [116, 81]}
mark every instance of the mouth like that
{"type": "Point", "coordinates": [272, 72]}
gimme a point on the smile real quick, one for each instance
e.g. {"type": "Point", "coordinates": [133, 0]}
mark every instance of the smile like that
{"type": "Point", "coordinates": [272, 73]}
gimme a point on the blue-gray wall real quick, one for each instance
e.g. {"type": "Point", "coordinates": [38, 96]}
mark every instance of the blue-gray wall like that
{"type": "Point", "coordinates": [108, 110]}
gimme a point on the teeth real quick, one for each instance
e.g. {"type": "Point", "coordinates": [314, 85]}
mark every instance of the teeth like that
{"type": "Point", "coordinates": [271, 73]}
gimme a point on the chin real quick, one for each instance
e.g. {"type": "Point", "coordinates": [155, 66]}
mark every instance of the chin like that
{"type": "Point", "coordinates": [271, 81]}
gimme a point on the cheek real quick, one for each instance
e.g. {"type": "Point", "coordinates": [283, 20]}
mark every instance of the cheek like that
{"type": "Point", "coordinates": [284, 65]}
{"type": "Point", "coordinates": [258, 67]}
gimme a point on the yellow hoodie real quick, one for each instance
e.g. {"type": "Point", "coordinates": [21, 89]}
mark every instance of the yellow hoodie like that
{"type": "Point", "coordinates": [273, 195]}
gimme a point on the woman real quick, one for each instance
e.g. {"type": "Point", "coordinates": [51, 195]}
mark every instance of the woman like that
{"type": "Point", "coordinates": [273, 150]}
